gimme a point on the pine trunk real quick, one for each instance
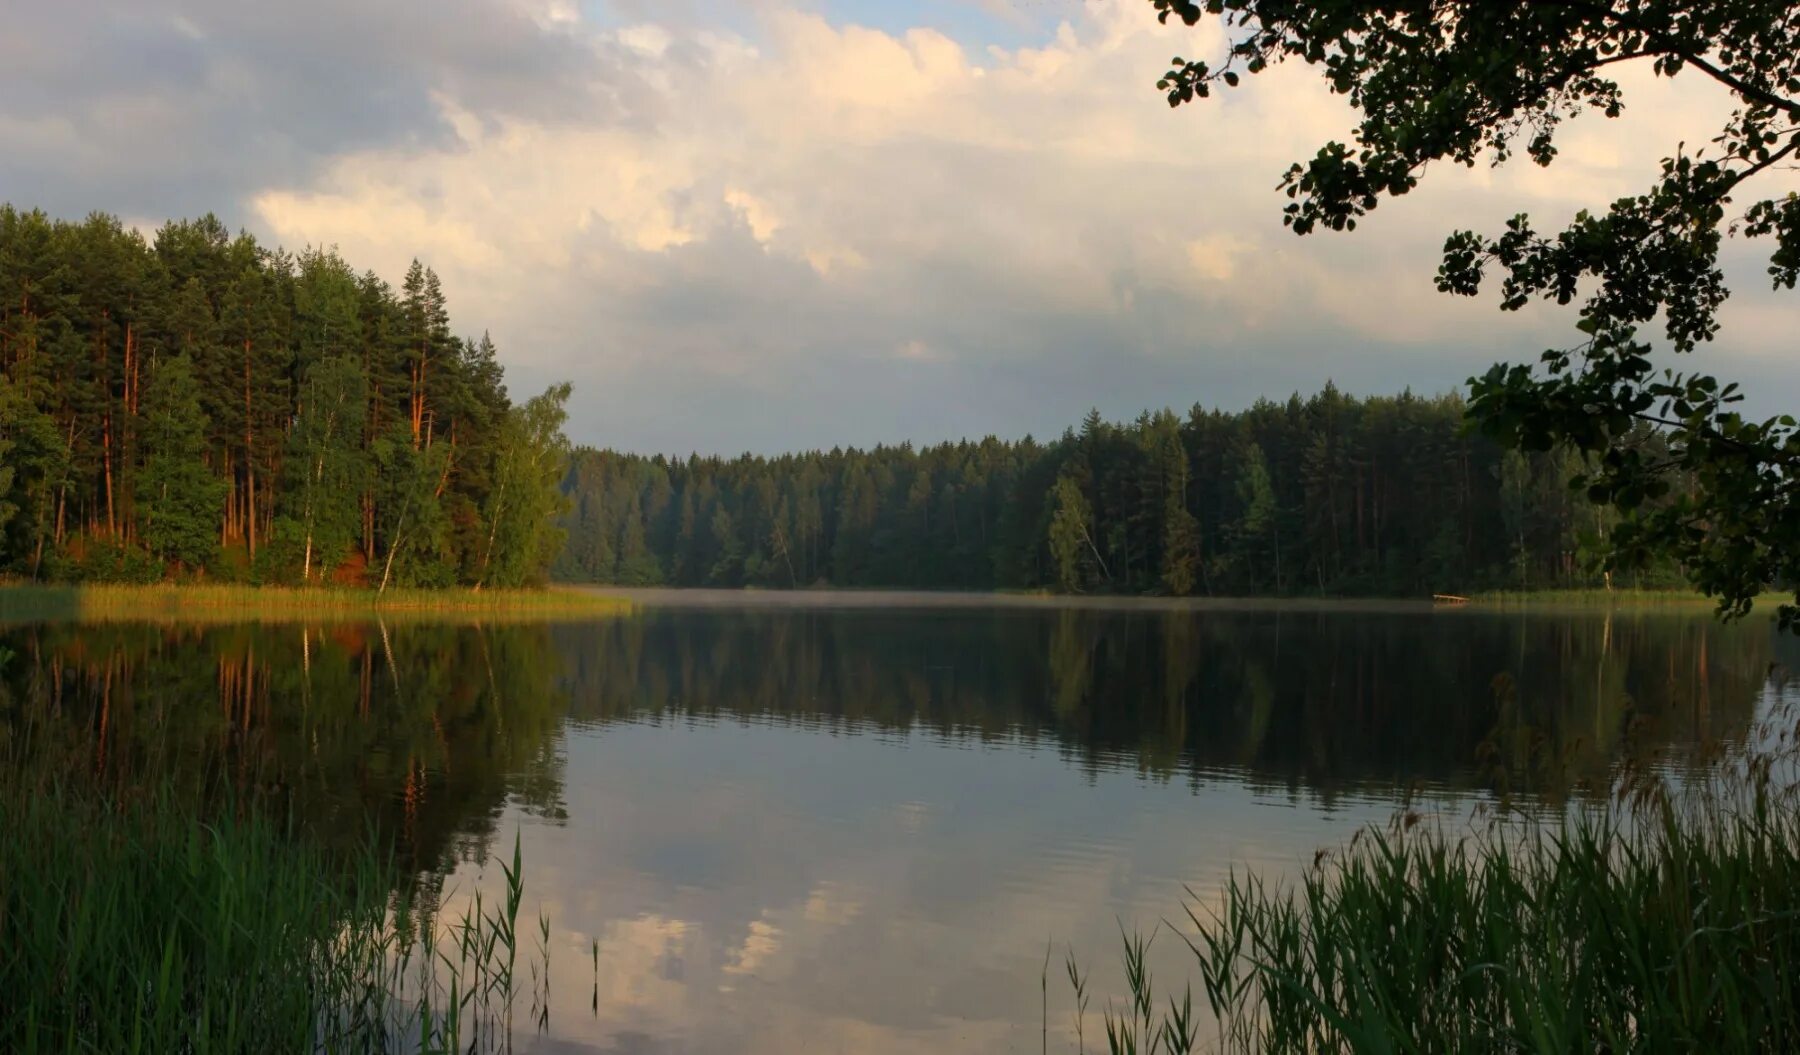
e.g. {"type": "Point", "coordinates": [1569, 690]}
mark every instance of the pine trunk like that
{"type": "Point", "coordinates": [249, 461]}
{"type": "Point", "coordinates": [107, 459]}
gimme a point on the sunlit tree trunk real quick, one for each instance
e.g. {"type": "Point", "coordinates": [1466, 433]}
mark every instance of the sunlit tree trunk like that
{"type": "Point", "coordinates": [107, 460]}
{"type": "Point", "coordinates": [249, 461]}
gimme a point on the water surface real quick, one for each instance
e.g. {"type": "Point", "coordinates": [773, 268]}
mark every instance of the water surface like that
{"type": "Point", "coordinates": [849, 826]}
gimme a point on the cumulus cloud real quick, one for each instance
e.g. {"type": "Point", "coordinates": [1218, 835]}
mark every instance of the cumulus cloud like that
{"type": "Point", "coordinates": [764, 225]}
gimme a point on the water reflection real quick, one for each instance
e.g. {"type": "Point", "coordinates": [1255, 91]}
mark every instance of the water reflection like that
{"type": "Point", "coordinates": [421, 730]}
{"type": "Point", "coordinates": [1318, 701]}
{"type": "Point", "coordinates": [427, 729]}
{"type": "Point", "coordinates": [855, 830]}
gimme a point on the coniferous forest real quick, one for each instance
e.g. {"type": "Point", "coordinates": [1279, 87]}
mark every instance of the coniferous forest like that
{"type": "Point", "coordinates": [1327, 495]}
{"type": "Point", "coordinates": [197, 405]}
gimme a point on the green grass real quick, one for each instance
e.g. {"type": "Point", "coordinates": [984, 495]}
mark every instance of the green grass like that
{"type": "Point", "coordinates": [274, 603]}
{"type": "Point", "coordinates": [1621, 598]}
{"type": "Point", "coordinates": [136, 928]}
{"type": "Point", "coordinates": [1666, 919]}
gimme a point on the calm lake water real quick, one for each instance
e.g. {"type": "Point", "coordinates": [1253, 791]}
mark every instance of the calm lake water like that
{"type": "Point", "coordinates": [797, 826]}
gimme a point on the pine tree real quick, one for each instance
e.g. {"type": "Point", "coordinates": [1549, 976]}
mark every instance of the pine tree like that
{"type": "Point", "coordinates": [858, 504]}
{"type": "Point", "coordinates": [179, 496]}
{"type": "Point", "coordinates": [1180, 542]}
{"type": "Point", "coordinates": [33, 467]}
{"type": "Point", "coordinates": [258, 357]}
{"type": "Point", "coordinates": [11, 407]}
{"type": "Point", "coordinates": [425, 337]}
{"type": "Point", "coordinates": [411, 522]}
{"type": "Point", "coordinates": [637, 566]}
{"type": "Point", "coordinates": [86, 307]}
{"type": "Point", "coordinates": [1252, 531]}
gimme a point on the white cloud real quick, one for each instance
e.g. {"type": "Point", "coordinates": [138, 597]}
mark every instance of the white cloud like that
{"type": "Point", "coordinates": [784, 215]}
{"type": "Point", "coordinates": [755, 213]}
{"type": "Point", "coordinates": [762, 940]}
{"type": "Point", "coordinates": [1216, 259]}
{"type": "Point", "coordinates": [650, 40]}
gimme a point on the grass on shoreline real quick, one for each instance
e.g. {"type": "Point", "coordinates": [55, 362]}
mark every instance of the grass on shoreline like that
{"type": "Point", "coordinates": [1594, 597]}
{"type": "Point", "coordinates": [202, 602]}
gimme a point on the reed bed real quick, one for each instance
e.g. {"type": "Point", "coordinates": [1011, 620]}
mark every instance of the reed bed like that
{"type": "Point", "coordinates": [1620, 598]}
{"type": "Point", "coordinates": [1666, 918]}
{"type": "Point", "coordinates": [230, 603]}
{"type": "Point", "coordinates": [136, 928]}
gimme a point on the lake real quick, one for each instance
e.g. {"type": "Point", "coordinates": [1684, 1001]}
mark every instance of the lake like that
{"type": "Point", "coordinates": [788, 822]}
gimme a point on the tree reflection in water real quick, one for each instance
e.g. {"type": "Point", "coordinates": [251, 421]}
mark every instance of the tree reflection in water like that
{"type": "Point", "coordinates": [427, 730]}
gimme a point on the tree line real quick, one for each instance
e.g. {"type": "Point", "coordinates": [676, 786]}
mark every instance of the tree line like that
{"type": "Point", "coordinates": [195, 404]}
{"type": "Point", "coordinates": [1331, 494]}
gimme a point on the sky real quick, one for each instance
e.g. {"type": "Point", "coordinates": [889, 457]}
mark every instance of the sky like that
{"type": "Point", "coordinates": [764, 225]}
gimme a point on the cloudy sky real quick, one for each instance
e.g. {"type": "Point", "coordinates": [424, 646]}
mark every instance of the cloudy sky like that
{"type": "Point", "coordinates": [769, 224]}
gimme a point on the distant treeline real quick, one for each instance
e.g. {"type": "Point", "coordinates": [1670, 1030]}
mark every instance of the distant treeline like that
{"type": "Point", "coordinates": [196, 404]}
{"type": "Point", "coordinates": [1332, 494]}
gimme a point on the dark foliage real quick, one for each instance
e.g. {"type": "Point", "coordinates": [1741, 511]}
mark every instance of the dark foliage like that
{"type": "Point", "coordinates": [1331, 494]}
{"type": "Point", "coordinates": [1442, 80]}
{"type": "Point", "coordinates": [198, 404]}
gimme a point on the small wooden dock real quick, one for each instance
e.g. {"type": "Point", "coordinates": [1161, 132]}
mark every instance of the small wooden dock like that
{"type": "Point", "coordinates": [1448, 598]}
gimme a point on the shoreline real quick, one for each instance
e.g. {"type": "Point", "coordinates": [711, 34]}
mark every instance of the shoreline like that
{"type": "Point", "coordinates": [234, 603]}
{"type": "Point", "coordinates": [1619, 598]}
{"type": "Point", "coordinates": [860, 598]}
{"type": "Point", "coordinates": [569, 601]}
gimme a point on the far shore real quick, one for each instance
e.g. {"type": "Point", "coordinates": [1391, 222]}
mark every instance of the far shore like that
{"type": "Point", "coordinates": [827, 598]}
{"type": "Point", "coordinates": [710, 597]}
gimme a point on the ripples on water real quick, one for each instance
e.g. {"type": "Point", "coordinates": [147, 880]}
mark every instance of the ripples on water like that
{"type": "Point", "coordinates": [827, 829]}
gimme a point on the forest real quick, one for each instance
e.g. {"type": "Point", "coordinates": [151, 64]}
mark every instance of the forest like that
{"type": "Point", "coordinates": [195, 405]}
{"type": "Point", "coordinates": [1331, 494]}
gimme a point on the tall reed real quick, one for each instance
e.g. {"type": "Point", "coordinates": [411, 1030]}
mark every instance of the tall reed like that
{"type": "Point", "coordinates": [1624, 597]}
{"type": "Point", "coordinates": [1665, 918]}
{"type": "Point", "coordinates": [136, 928]}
